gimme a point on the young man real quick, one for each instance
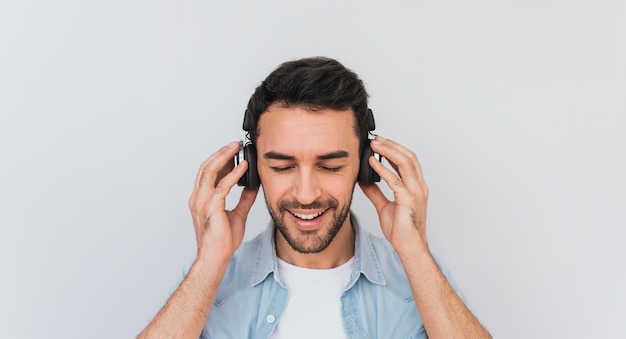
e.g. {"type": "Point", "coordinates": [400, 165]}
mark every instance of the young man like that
{"type": "Point", "coordinates": [314, 273]}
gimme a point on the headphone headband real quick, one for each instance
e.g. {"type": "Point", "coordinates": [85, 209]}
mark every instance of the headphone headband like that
{"type": "Point", "coordinates": [247, 121]}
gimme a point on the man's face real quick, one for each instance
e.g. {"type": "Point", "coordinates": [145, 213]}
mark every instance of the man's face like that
{"type": "Point", "coordinates": [308, 163]}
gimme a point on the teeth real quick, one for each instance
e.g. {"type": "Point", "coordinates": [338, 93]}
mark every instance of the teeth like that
{"type": "Point", "coordinates": [308, 216]}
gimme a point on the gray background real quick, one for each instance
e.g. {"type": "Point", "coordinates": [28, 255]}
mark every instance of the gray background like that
{"type": "Point", "coordinates": [516, 110]}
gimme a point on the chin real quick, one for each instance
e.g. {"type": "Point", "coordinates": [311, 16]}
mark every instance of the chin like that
{"type": "Point", "coordinates": [316, 239]}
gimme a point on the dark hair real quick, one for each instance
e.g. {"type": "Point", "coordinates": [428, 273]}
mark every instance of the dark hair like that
{"type": "Point", "coordinates": [314, 83]}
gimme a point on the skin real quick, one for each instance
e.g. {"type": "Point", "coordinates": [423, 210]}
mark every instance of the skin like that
{"type": "Point", "coordinates": [302, 174]}
{"type": "Point", "coordinates": [218, 234]}
{"type": "Point", "coordinates": [306, 159]}
{"type": "Point", "coordinates": [403, 222]}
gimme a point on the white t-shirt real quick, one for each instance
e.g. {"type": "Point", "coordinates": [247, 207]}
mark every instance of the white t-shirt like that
{"type": "Point", "coordinates": [314, 306]}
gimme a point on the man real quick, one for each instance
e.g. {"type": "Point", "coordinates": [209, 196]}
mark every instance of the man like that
{"type": "Point", "coordinates": [314, 273]}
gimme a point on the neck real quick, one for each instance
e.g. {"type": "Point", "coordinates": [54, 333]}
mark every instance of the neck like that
{"type": "Point", "coordinates": [338, 252]}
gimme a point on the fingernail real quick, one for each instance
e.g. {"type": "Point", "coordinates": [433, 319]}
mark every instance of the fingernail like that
{"type": "Point", "coordinates": [378, 140]}
{"type": "Point", "coordinates": [233, 144]}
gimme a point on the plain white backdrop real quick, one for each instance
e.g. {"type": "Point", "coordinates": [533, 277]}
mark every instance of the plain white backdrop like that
{"type": "Point", "coordinates": [516, 110]}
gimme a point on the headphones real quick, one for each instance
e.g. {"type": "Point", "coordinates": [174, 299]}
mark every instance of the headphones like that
{"type": "Point", "coordinates": [247, 151]}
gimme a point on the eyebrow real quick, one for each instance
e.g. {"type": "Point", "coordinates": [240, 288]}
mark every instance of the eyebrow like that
{"type": "Point", "coordinates": [278, 156]}
{"type": "Point", "coordinates": [328, 156]}
{"type": "Point", "coordinates": [333, 155]}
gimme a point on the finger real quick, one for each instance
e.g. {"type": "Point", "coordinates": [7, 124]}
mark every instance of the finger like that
{"type": "Point", "coordinates": [393, 145]}
{"type": "Point", "coordinates": [393, 181]}
{"type": "Point", "coordinates": [245, 202]}
{"type": "Point", "coordinates": [375, 195]}
{"type": "Point", "coordinates": [209, 169]}
{"type": "Point", "coordinates": [225, 184]}
{"type": "Point", "coordinates": [395, 153]}
{"type": "Point", "coordinates": [208, 178]}
{"type": "Point", "coordinates": [403, 160]}
{"type": "Point", "coordinates": [227, 168]}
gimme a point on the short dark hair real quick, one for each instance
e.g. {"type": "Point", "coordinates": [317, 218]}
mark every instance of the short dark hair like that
{"type": "Point", "coordinates": [314, 83]}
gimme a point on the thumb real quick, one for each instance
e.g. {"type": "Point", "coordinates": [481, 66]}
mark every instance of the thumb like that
{"type": "Point", "coordinates": [375, 195]}
{"type": "Point", "coordinates": [245, 202]}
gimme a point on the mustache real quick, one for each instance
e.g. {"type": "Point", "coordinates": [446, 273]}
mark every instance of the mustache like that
{"type": "Point", "coordinates": [317, 204]}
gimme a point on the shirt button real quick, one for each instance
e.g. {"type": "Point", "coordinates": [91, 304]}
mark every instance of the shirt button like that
{"type": "Point", "coordinates": [270, 319]}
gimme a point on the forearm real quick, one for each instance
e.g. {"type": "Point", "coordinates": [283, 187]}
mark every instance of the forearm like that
{"type": "Point", "coordinates": [443, 312]}
{"type": "Point", "coordinates": [186, 311]}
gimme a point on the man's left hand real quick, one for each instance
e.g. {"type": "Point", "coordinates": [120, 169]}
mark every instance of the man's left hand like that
{"type": "Point", "coordinates": [403, 220]}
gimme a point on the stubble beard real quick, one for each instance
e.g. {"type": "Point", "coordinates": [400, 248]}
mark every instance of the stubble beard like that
{"type": "Point", "coordinates": [310, 241]}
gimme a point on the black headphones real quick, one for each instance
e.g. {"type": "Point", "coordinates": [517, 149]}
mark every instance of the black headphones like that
{"type": "Point", "coordinates": [247, 152]}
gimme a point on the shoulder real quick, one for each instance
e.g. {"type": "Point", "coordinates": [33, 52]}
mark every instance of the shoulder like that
{"type": "Point", "coordinates": [248, 251]}
{"type": "Point", "coordinates": [380, 255]}
{"type": "Point", "coordinates": [386, 259]}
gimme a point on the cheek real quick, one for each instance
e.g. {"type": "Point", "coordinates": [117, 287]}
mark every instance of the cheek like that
{"type": "Point", "coordinates": [342, 189]}
{"type": "Point", "coordinates": [273, 187]}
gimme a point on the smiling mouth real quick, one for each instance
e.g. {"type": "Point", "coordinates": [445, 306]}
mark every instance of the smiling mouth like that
{"type": "Point", "coordinates": [308, 216]}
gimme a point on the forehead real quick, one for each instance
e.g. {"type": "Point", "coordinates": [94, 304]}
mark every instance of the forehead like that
{"type": "Point", "coordinates": [293, 130]}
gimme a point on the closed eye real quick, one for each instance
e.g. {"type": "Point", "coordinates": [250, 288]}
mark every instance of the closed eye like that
{"type": "Point", "coordinates": [331, 169]}
{"type": "Point", "coordinates": [281, 169]}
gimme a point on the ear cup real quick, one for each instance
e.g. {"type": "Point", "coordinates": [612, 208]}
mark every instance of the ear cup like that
{"type": "Point", "coordinates": [250, 179]}
{"type": "Point", "coordinates": [367, 175]}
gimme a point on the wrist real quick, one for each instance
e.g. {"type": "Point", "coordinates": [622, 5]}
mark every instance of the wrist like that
{"type": "Point", "coordinates": [211, 265]}
{"type": "Point", "coordinates": [411, 248]}
{"type": "Point", "coordinates": [414, 253]}
{"type": "Point", "coordinates": [214, 253]}
{"type": "Point", "coordinates": [213, 258]}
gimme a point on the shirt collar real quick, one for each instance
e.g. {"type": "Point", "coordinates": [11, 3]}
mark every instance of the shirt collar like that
{"type": "Point", "coordinates": [266, 261]}
{"type": "Point", "coordinates": [366, 263]}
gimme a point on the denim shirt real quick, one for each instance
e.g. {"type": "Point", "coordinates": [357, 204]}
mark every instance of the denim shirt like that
{"type": "Point", "coordinates": [376, 303]}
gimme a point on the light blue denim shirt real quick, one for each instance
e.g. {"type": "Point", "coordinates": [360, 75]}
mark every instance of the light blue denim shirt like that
{"type": "Point", "coordinates": [376, 303]}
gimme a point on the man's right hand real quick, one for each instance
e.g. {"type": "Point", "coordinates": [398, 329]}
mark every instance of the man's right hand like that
{"type": "Point", "coordinates": [219, 232]}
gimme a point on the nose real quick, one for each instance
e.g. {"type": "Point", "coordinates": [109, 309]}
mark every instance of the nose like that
{"type": "Point", "coordinates": [306, 188]}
